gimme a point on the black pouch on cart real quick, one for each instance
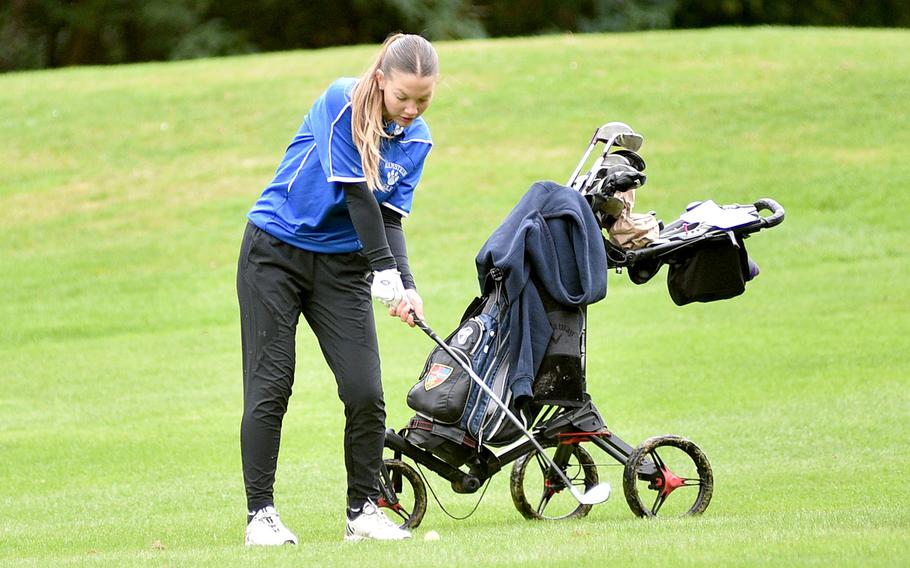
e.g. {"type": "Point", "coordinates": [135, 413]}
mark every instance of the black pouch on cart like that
{"type": "Point", "coordinates": [716, 269]}
{"type": "Point", "coordinates": [450, 443]}
{"type": "Point", "coordinates": [444, 389]}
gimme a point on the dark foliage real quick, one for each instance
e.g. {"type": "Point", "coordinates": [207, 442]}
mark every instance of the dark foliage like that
{"type": "Point", "coordinates": [54, 33]}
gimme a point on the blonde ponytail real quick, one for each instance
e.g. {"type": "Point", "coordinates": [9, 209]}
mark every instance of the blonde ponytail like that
{"type": "Point", "coordinates": [400, 52]}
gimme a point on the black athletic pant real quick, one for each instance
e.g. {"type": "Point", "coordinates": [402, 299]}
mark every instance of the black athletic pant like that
{"type": "Point", "coordinates": [276, 282]}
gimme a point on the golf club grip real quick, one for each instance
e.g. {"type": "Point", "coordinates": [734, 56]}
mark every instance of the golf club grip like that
{"type": "Point", "coordinates": [426, 329]}
{"type": "Point", "coordinates": [777, 212]}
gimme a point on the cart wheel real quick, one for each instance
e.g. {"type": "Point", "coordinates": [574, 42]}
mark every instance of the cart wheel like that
{"type": "Point", "coordinates": [403, 494]}
{"type": "Point", "coordinates": [663, 466]}
{"type": "Point", "coordinates": [539, 494]}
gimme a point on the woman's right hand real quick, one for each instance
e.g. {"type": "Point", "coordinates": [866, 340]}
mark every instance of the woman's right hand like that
{"type": "Point", "coordinates": [411, 301]}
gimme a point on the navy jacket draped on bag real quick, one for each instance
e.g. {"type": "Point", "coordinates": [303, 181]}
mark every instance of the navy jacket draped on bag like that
{"type": "Point", "coordinates": [549, 239]}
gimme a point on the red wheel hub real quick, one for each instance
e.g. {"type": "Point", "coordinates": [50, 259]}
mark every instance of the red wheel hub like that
{"type": "Point", "coordinates": [668, 481]}
{"type": "Point", "coordinates": [382, 503]}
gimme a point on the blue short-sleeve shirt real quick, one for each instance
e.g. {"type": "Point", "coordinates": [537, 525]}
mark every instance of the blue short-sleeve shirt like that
{"type": "Point", "coordinates": [304, 203]}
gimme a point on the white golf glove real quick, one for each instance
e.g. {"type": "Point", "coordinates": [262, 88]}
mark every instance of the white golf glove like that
{"type": "Point", "coordinates": [387, 287]}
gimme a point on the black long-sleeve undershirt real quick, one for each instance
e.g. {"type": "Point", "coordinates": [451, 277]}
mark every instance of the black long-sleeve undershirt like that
{"type": "Point", "coordinates": [379, 229]}
{"type": "Point", "coordinates": [395, 236]}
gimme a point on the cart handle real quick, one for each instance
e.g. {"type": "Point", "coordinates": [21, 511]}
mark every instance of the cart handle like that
{"type": "Point", "coordinates": [777, 212]}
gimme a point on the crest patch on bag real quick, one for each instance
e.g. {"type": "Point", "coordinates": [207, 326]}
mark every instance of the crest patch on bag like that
{"type": "Point", "coordinates": [437, 375]}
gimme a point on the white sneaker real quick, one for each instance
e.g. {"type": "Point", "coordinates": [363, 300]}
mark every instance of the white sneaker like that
{"type": "Point", "coordinates": [266, 529]}
{"type": "Point", "coordinates": [372, 523]}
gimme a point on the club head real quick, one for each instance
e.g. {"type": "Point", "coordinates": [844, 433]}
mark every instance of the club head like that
{"type": "Point", "coordinates": [619, 134]}
{"type": "Point", "coordinates": [597, 171]}
{"type": "Point", "coordinates": [614, 159]}
{"type": "Point", "coordinates": [597, 494]}
{"type": "Point", "coordinates": [612, 129]}
{"type": "Point", "coordinates": [630, 141]}
{"type": "Point", "coordinates": [634, 159]}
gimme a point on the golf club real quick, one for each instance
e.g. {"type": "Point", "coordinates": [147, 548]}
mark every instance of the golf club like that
{"type": "Point", "coordinates": [597, 494]}
{"type": "Point", "coordinates": [611, 134]}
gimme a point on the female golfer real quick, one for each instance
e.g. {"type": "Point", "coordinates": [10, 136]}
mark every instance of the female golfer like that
{"type": "Point", "coordinates": [324, 236]}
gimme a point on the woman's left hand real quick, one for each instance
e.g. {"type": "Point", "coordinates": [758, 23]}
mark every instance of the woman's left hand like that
{"type": "Point", "coordinates": [411, 301]}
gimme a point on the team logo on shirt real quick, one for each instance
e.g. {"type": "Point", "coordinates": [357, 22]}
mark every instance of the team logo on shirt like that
{"type": "Point", "coordinates": [393, 173]}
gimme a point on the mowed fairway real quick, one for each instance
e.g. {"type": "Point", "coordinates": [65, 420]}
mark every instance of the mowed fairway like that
{"type": "Point", "coordinates": [123, 192]}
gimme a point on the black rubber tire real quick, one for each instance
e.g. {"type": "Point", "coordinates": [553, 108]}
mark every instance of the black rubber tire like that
{"type": "Point", "coordinates": [646, 452]}
{"type": "Point", "coordinates": [412, 496]}
{"type": "Point", "coordinates": [582, 459]}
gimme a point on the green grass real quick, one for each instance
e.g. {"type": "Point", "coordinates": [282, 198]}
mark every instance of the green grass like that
{"type": "Point", "coordinates": [124, 191]}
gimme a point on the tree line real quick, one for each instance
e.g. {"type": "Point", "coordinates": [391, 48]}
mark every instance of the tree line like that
{"type": "Point", "coordinates": [38, 34]}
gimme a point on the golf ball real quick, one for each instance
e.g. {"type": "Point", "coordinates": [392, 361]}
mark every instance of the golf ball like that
{"type": "Point", "coordinates": [431, 535]}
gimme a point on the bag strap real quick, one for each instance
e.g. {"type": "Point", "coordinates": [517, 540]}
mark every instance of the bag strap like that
{"type": "Point", "coordinates": [427, 426]}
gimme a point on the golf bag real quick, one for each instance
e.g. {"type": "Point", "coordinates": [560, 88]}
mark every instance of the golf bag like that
{"type": "Point", "coordinates": [453, 415]}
